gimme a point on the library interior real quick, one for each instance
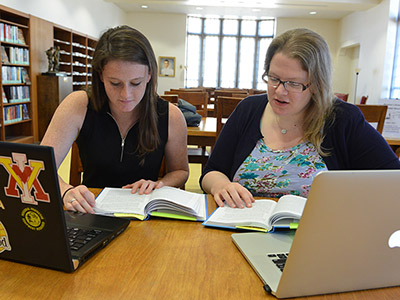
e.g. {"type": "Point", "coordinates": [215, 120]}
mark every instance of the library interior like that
{"type": "Point", "coordinates": [210, 56]}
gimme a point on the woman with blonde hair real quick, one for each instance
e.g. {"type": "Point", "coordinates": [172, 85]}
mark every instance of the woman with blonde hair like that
{"type": "Point", "coordinates": [275, 144]}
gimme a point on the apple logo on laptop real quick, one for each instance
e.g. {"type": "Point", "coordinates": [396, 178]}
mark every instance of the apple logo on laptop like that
{"type": "Point", "coordinates": [394, 239]}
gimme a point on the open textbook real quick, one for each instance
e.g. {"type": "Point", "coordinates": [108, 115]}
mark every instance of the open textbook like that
{"type": "Point", "coordinates": [264, 215]}
{"type": "Point", "coordinates": [166, 202]}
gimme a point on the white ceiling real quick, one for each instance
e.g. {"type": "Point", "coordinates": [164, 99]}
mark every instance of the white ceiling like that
{"type": "Point", "coordinates": [250, 8]}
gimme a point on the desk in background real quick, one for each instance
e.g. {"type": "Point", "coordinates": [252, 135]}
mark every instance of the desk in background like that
{"type": "Point", "coordinates": [205, 134]}
{"type": "Point", "coordinates": [156, 259]}
{"type": "Point", "coordinates": [395, 144]}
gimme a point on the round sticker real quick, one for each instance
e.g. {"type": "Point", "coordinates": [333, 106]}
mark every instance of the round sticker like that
{"type": "Point", "coordinates": [33, 218]}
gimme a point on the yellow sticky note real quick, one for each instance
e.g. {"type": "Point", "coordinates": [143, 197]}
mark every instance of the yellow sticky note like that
{"type": "Point", "coordinates": [124, 215]}
{"type": "Point", "coordinates": [172, 216]}
{"type": "Point", "coordinates": [293, 225]}
{"type": "Point", "coordinates": [252, 228]}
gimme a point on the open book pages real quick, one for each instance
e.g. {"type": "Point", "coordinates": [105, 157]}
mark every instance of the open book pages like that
{"type": "Point", "coordinates": [264, 215]}
{"type": "Point", "coordinates": [163, 202]}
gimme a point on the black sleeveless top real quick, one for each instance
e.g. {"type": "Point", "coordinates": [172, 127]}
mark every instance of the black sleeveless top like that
{"type": "Point", "coordinates": [106, 163]}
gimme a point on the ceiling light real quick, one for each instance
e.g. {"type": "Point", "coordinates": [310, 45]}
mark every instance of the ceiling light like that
{"type": "Point", "coordinates": [256, 9]}
{"type": "Point", "coordinates": [313, 12]}
{"type": "Point", "coordinates": [199, 8]}
{"type": "Point", "coordinates": [144, 6]}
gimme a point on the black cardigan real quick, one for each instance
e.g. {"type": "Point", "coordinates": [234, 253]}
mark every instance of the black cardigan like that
{"type": "Point", "coordinates": [352, 142]}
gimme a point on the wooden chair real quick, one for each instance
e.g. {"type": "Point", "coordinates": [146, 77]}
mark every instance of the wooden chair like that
{"type": "Point", "coordinates": [225, 106]}
{"type": "Point", "coordinates": [76, 169]}
{"type": "Point", "coordinates": [239, 95]}
{"type": "Point", "coordinates": [198, 99]}
{"type": "Point", "coordinates": [342, 96]}
{"type": "Point", "coordinates": [188, 90]}
{"type": "Point", "coordinates": [256, 92]}
{"type": "Point", "coordinates": [228, 93]}
{"type": "Point", "coordinates": [374, 114]}
{"type": "Point", "coordinates": [170, 98]}
{"type": "Point", "coordinates": [364, 100]}
{"type": "Point", "coordinates": [197, 155]}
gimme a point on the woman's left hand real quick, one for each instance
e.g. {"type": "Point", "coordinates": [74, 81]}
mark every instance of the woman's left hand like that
{"type": "Point", "coordinates": [144, 186]}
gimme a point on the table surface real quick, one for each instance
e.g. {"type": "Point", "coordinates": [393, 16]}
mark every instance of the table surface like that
{"type": "Point", "coordinates": [395, 144]}
{"type": "Point", "coordinates": [207, 127]}
{"type": "Point", "coordinates": [393, 141]}
{"type": "Point", "coordinates": [156, 259]}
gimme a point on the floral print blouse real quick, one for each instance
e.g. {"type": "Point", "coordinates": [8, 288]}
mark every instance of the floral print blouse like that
{"type": "Point", "coordinates": [274, 173]}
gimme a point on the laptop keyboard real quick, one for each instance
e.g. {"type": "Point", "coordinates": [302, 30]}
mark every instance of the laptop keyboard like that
{"type": "Point", "coordinates": [279, 259]}
{"type": "Point", "coordinates": [79, 237]}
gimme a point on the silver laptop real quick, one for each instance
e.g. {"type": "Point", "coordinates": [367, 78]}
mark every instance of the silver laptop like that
{"type": "Point", "coordinates": [348, 238]}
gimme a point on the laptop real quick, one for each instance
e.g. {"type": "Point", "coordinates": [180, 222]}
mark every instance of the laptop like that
{"type": "Point", "coordinates": [348, 238]}
{"type": "Point", "coordinates": [34, 228]}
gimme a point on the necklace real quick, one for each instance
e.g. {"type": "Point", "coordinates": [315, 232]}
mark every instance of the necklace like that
{"type": "Point", "coordinates": [283, 130]}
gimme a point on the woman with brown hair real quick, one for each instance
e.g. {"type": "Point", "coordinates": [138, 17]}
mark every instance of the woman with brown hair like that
{"type": "Point", "coordinates": [121, 126]}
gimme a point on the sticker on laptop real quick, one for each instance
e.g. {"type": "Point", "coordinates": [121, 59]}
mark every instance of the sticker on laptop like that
{"type": "Point", "coordinates": [33, 219]}
{"type": "Point", "coordinates": [23, 179]}
{"type": "Point", "coordinates": [4, 242]}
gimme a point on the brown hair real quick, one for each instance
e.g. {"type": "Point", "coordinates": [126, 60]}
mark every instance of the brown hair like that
{"type": "Point", "coordinates": [128, 44]}
{"type": "Point", "coordinates": [312, 51]}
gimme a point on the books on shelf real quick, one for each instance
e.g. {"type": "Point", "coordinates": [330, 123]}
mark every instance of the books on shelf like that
{"type": "Point", "coordinates": [18, 93]}
{"type": "Point", "coordinates": [15, 113]}
{"type": "Point", "coordinates": [20, 37]}
{"type": "Point", "coordinates": [25, 76]}
{"type": "Point", "coordinates": [25, 112]}
{"type": "Point", "coordinates": [12, 34]}
{"type": "Point", "coordinates": [265, 215]}
{"type": "Point", "coordinates": [165, 202]}
{"type": "Point", "coordinates": [18, 55]}
{"type": "Point", "coordinates": [4, 56]}
{"type": "Point", "coordinates": [5, 100]}
{"type": "Point", "coordinates": [14, 75]}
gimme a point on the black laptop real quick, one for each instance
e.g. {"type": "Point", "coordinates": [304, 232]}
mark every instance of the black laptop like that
{"type": "Point", "coordinates": [34, 228]}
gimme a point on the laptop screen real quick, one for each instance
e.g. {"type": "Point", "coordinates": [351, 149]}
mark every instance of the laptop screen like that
{"type": "Point", "coordinates": [32, 224]}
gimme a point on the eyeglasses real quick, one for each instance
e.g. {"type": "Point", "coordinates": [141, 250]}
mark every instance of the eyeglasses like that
{"type": "Point", "coordinates": [290, 86]}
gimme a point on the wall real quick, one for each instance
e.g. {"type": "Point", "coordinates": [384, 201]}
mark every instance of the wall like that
{"type": "Point", "coordinates": [368, 31]}
{"type": "Point", "coordinates": [357, 43]}
{"type": "Point", "coordinates": [168, 40]}
{"type": "Point", "coordinates": [171, 40]}
{"type": "Point", "coordinates": [354, 42]}
{"type": "Point", "coordinates": [91, 17]}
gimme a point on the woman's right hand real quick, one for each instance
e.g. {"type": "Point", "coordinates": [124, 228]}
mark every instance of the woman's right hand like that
{"type": "Point", "coordinates": [80, 199]}
{"type": "Point", "coordinates": [234, 194]}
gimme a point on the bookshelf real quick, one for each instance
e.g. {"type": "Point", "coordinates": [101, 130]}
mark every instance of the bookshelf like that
{"type": "Point", "coordinates": [76, 54]}
{"type": "Point", "coordinates": [16, 122]}
{"type": "Point", "coordinates": [25, 59]}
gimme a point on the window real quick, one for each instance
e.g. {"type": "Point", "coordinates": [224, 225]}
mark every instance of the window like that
{"type": "Point", "coordinates": [395, 84]}
{"type": "Point", "coordinates": [227, 53]}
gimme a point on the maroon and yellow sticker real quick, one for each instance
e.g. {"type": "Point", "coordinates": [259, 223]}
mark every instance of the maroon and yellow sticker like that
{"type": "Point", "coordinates": [33, 219]}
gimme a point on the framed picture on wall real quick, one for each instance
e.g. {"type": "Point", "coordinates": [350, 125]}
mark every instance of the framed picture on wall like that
{"type": "Point", "coordinates": [166, 66]}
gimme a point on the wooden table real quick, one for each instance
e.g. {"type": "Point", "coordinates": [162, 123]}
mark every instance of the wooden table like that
{"type": "Point", "coordinates": [395, 144]}
{"type": "Point", "coordinates": [156, 259]}
{"type": "Point", "coordinates": [205, 134]}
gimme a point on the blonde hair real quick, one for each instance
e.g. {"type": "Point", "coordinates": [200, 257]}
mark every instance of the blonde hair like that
{"type": "Point", "coordinates": [312, 51]}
